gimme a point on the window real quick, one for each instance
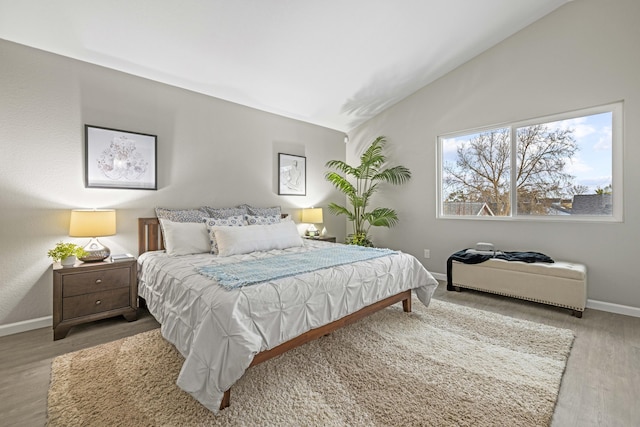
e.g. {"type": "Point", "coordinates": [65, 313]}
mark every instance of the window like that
{"type": "Point", "coordinates": [567, 166]}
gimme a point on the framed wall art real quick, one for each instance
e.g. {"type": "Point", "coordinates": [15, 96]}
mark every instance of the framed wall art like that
{"type": "Point", "coordinates": [120, 159]}
{"type": "Point", "coordinates": [292, 175]}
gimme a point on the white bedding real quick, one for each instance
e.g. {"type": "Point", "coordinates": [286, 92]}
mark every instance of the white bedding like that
{"type": "Point", "coordinates": [220, 331]}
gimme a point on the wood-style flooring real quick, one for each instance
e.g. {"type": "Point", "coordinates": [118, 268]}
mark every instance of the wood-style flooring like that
{"type": "Point", "coordinates": [601, 385]}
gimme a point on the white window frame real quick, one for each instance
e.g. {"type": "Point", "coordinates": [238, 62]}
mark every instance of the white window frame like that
{"type": "Point", "coordinates": [617, 156]}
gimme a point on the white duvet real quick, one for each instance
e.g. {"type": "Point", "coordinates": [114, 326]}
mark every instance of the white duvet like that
{"type": "Point", "coordinates": [220, 331]}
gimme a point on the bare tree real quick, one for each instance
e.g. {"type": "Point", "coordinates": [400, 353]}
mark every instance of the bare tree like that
{"type": "Point", "coordinates": [482, 171]}
{"type": "Point", "coordinates": [541, 159]}
{"type": "Point", "coordinates": [578, 189]}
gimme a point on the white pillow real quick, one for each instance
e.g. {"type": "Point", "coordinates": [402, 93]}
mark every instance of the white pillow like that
{"type": "Point", "coordinates": [211, 223]}
{"type": "Point", "coordinates": [243, 240]}
{"type": "Point", "coordinates": [184, 238]}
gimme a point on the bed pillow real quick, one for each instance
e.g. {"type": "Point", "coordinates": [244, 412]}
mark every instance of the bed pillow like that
{"type": "Point", "coordinates": [262, 219]}
{"type": "Point", "coordinates": [243, 240]}
{"type": "Point", "coordinates": [185, 238]}
{"type": "Point", "coordinates": [224, 212]}
{"type": "Point", "coordinates": [211, 223]}
{"type": "Point", "coordinates": [272, 211]}
{"type": "Point", "coordinates": [181, 215]}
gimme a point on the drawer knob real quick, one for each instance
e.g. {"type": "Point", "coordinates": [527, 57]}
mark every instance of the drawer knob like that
{"type": "Point", "coordinates": [98, 302]}
{"type": "Point", "coordinates": [98, 281]}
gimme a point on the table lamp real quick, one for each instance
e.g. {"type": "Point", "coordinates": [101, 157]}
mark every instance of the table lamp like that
{"type": "Point", "coordinates": [93, 223]}
{"type": "Point", "coordinates": [312, 216]}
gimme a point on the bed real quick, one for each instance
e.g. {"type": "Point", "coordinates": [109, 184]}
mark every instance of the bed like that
{"type": "Point", "coordinates": [222, 332]}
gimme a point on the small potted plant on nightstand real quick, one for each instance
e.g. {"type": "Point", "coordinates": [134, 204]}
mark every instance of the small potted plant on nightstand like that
{"type": "Point", "coordinates": [66, 253]}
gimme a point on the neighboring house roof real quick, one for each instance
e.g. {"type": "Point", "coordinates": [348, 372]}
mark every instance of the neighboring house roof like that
{"type": "Point", "coordinates": [558, 209]}
{"type": "Point", "coordinates": [591, 204]}
{"type": "Point", "coordinates": [467, 208]}
{"type": "Point", "coordinates": [559, 206]}
{"type": "Point", "coordinates": [582, 204]}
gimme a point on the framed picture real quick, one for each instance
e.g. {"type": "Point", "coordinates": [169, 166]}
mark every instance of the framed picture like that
{"type": "Point", "coordinates": [120, 159]}
{"type": "Point", "coordinates": [292, 175]}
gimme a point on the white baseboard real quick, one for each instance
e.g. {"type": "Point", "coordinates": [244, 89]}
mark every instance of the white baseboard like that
{"type": "Point", "coordinates": [594, 304]}
{"type": "Point", "coordinates": [26, 325]}
{"type": "Point", "coordinates": [439, 276]}
{"type": "Point", "coordinates": [613, 308]}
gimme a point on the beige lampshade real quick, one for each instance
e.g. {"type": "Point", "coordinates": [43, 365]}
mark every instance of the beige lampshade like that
{"type": "Point", "coordinates": [92, 223]}
{"type": "Point", "coordinates": [312, 216]}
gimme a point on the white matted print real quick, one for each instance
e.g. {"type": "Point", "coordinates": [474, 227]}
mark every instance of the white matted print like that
{"type": "Point", "coordinates": [292, 175]}
{"type": "Point", "coordinates": [120, 159]}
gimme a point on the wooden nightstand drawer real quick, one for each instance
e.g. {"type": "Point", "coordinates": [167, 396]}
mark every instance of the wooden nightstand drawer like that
{"type": "Point", "coordinates": [97, 302]}
{"type": "Point", "coordinates": [95, 281]}
{"type": "Point", "coordinates": [91, 291]}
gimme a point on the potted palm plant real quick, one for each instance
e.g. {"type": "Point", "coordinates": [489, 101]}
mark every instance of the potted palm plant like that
{"type": "Point", "coordinates": [364, 182]}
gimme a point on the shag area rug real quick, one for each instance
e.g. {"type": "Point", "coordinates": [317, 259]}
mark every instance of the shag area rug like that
{"type": "Point", "coordinates": [445, 365]}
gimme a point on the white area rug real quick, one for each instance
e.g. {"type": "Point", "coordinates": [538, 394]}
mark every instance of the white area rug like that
{"type": "Point", "coordinates": [445, 365]}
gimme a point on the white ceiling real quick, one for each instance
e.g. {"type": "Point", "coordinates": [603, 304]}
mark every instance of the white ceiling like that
{"type": "Point", "coordinates": [334, 63]}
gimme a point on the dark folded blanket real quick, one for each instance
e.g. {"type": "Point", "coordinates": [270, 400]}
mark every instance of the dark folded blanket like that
{"type": "Point", "coordinates": [475, 258]}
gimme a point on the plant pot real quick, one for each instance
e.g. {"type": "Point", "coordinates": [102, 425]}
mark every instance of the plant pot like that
{"type": "Point", "coordinates": [68, 261]}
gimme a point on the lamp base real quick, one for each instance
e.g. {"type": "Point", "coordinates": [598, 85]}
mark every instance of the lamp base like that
{"type": "Point", "coordinates": [96, 251]}
{"type": "Point", "coordinates": [312, 231]}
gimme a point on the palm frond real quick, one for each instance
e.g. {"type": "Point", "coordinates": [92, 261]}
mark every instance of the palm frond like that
{"type": "Point", "coordinates": [395, 175]}
{"type": "Point", "coordinates": [341, 166]}
{"type": "Point", "coordinates": [336, 209]}
{"type": "Point", "coordinates": [357, 201]}
{"type": "Point", "coordinates": [370, 191]}
{"type": "Point", "coordinates": [340, 183]}
{"type": "Point", "coordinates": [382, 217]}
{"type": "Point", "coordinates": [372, 156]}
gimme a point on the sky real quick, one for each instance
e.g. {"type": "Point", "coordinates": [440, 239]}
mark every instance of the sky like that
{"type": "Point", "coordinates": [591, 164]}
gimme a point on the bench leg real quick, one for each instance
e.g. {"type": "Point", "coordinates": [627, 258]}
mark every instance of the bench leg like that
{"type": "Point", "coordinates": [576, 313]}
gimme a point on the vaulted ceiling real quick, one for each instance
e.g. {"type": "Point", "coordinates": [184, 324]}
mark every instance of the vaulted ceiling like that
{"type": "Point", "coordinates": [334, 63]}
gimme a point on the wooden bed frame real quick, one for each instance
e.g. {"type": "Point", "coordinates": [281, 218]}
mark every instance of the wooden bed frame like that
{"type": "Point", "coordinates": [150, 239]}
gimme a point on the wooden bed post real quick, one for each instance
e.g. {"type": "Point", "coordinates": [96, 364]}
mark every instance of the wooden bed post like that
{"type": "Point", "coordinates": [149, 235]}
{"type": "Point", "coordinates": [226, 400]}
{"type": "Point", "coordinates": [406, 304]}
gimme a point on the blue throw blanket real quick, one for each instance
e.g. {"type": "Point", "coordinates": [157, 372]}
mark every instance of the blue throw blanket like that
{"type": "Point", "coordinates": [254, 271]}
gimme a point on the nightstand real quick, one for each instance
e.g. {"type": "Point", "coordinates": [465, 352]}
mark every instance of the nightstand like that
{"type": "Point", "coordinates": [91, 291]}
{"type": "Point", "coordinates": [331, 239]}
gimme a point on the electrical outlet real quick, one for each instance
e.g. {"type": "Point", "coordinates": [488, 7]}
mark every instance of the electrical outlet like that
{"type": "Point", "coordinates": [427, 253]}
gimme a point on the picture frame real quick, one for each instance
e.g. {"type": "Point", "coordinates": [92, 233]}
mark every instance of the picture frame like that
{"type": "Point", "coordinates": [120, 159]}
{"type": "Point", "coordinates": [292, 175]}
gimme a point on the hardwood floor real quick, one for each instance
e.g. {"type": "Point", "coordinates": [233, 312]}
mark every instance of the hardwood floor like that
{"type": "Point", "coordinates": [600, 387]}
{"type": "Point", "coordinates": [25, 363]}
{"type": "Point", "coordinates": [601, 384]}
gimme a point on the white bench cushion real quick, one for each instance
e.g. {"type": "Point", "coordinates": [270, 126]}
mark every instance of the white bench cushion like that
{"type": "Point", "coordinates": [564, 269]}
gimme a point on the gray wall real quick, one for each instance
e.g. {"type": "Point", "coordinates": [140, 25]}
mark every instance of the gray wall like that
{"type": "Point", "coordinates": [581, 55]}
{"type": "Point", "coordinates": [210, 152]}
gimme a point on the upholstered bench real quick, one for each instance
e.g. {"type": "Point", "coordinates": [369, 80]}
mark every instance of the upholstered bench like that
{"type": "Point", "coordinates": [562, 284]}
